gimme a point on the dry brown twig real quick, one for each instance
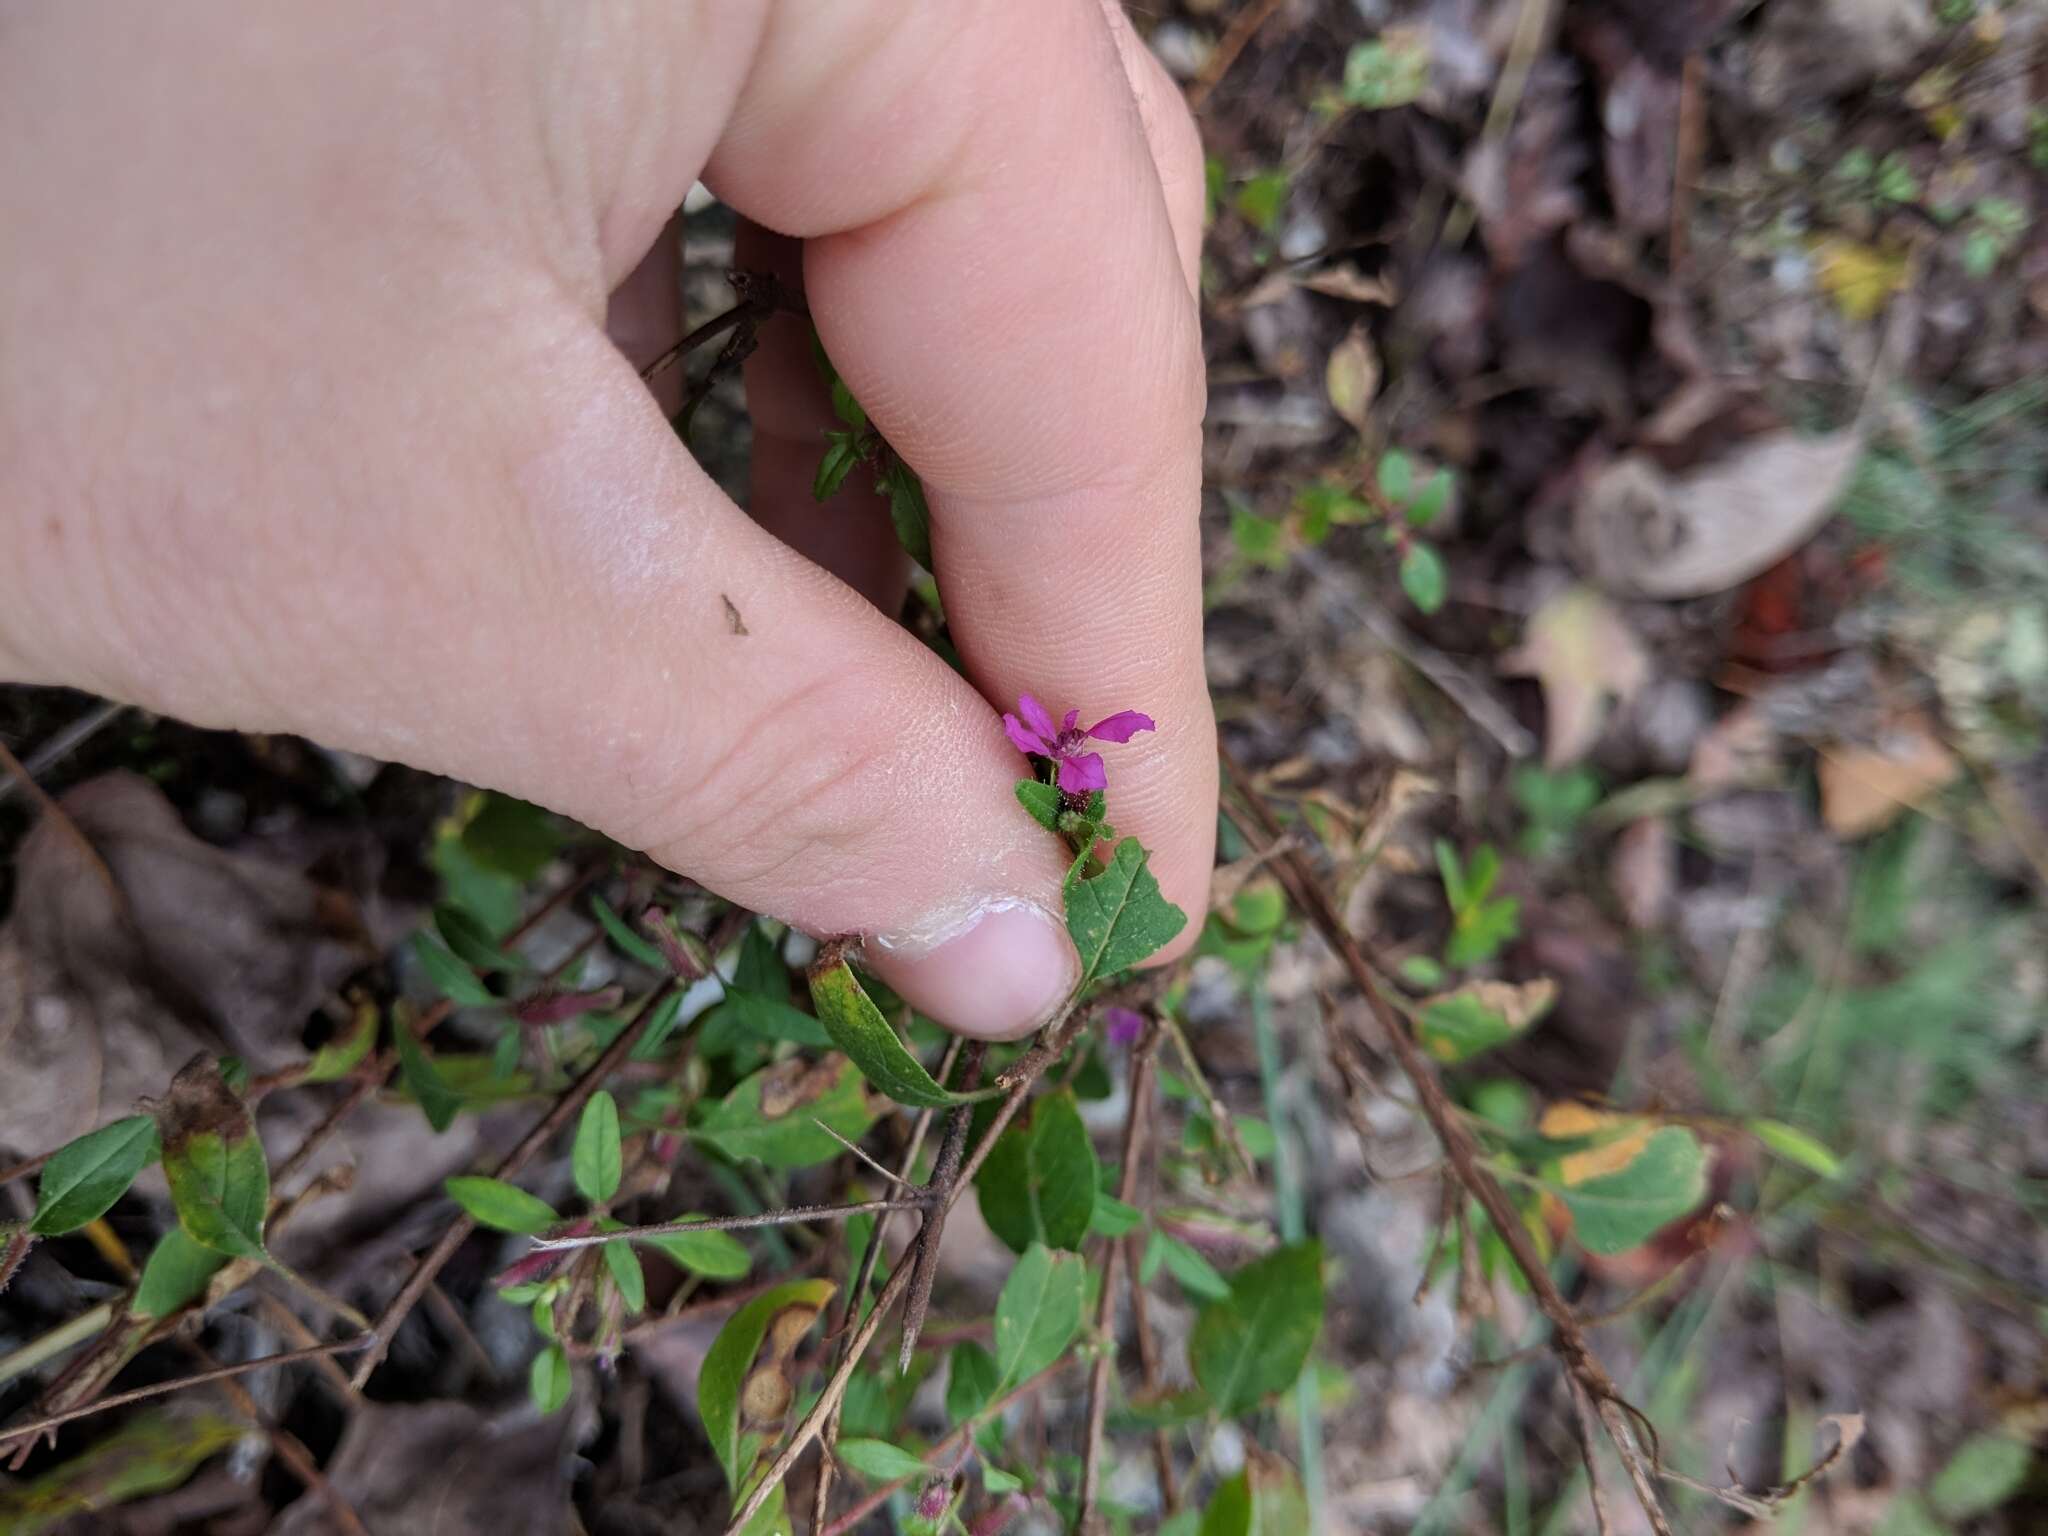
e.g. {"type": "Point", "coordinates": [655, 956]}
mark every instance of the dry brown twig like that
{"type": "Point", "coordinates": [1053, 1041]}
{"type": "Point", "coordinates": [1310, 897]}
{"type": "Point", "coordinates": [1105, 1310]}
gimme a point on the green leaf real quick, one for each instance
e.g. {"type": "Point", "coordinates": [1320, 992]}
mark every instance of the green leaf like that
{"type": "Point", "coordinates": [1042, 801]}
{"type": "Point", "coordinates": [1430, 501]}
{"type": "Point", "coordinates": [471, 941]}
{"type": "Point", "coordinates": [1265, 1499]}
{"type": "Point", "coordinates": [742, 1126]}
{"type": "Point", "coordinates": [758, 968]}
{"type": "Point", "coordinates": [438, 1099]}
{"type": "Point", "coordinates": [842, 452]}
{"type": "Point", "coordinates": [857, 1027]}
{"type": "Point", "coordinates": [1423, 577]}
{"type": "Point", "coordinates": [1038, 1313]}
{"type": "Point", "coordinates": [908, 513]}
{"type": "Point", "coordinates": [1462, 1024]}
{"type": "Point", "coordinates": [714, 1255]}
{"type": "Point", "coordinates": [1039, 1183]}
{"type": "Point", "coordinates": [597, 1161]}
{"type": "Point", "coordinates": [1396, 476]}
{"type": "Point", "coordinates": [624, 939]}
{"type": "Point", "coordinates": [500, 1206]}
{"type": "Point", "coordinates": [880, 1462]}
{"type": "Point", "coordinates": [550, 1379]}
{"type": "Point", "coordinates": [84, 1178]}
{"type": "Point", "coordinates": [174, 1276]}
{"type": "Point", "coordinates": [627, 1275]}
{"type": "Point", "coordinates": [1252, 1345]}
{"type": "Point", "coordinates": [454, 980]}
{"type": "Point", "coordinates": [1261, 199]}
{"type": "Point", "coordinates": [998, 1482]}
{"type": "Point", "coordinates": [1665, 1181]}
{"type": "Point", "coordinates": [1795, 1146]}
{"type": "Point", "coordinates": [1197, 1276]}
{"type": "Point", "coordinates": [659, 1028]}
{"type": "Point", "coordinates": [749, 1016]}
{"type": "Point", "coordinates": [221, 1189]}
{"type": "Point", "coordinates": [972, 1381]}
{"type": "Point", "coordinates": [1985, 1471]}
{"type": "Point", "coordinates": [345, 1052]}
{"type": "Point", "coordinates": [1111, 1217]}
{"type": "Point", "coordinates": [1118, 917]}
{"type": "Point", "coordinates": [512, 837]}
{"type": "Point", "coordinates": [1422, 971]}
{"type": "Point", "coordinates": [213, 1162]}
{"type": "Point", "coordinates": [1261, 540]}
{"type": "Point", "coordinates": [730, 1360]}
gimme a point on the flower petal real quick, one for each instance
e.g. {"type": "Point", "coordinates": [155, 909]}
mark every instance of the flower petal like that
{"type": "Point", "coordinates": [1082, 772]}
{"type": "Point", "coordinates": [1125, 1025]}
{"type": "Point", "coordinates": [1121, 726]}
{"type": "Point", "coordinates": [1073, 715]}
{"type": "Point", "coordinates": [1035, 716]}
{"type": "Point", "coordinates": [1023, 740]}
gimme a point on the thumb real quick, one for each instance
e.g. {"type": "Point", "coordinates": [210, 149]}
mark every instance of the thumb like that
{"type": "Point", "coordinates": [534, 587]}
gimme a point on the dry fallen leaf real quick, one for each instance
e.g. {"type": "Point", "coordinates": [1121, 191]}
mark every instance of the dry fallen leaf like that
{"type": "Point", "coordinates": [1353, 376]}
{"type": "Point", "coordinates": [436, 1468]}
{"type": "Point", "coordinates": [131, 952]}
{"type": "Point", "coordinates": [1644, 871]}
{"type": "Point", "coordinates": [1864, 789]}
{"type": "Point", "coordinates": [1644, 533]}
{"type": "Point", "coordinates": [1739, 751]}
{"type": "Point", "coordinates": [1582, 651]}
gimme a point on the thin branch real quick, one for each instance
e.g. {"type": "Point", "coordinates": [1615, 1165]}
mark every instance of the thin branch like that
{"type": "Point", "coordinates": [821, 1494]}
{"type": "Point", "coordinates": [565, 1109]}
{"type": "Point", "coordinates": [1313, 899]}
{"type": "Point", "coordinates": [1105, 1308]}
{"type": "Point", "coordinates": [788, 1216]}
{"type": "Point", "coordinates": [289, 1448]}
{"type": "Point", "coordinates": [165, 1388]}
{"type": "Point", "coordinates": [1054, 1038]}
{"type": "Point", "coordinates": [15, 1253]}
{"type": "Point", "coordinates": [960, 1439]}
{"type": "Point", "coordinates": [67, 740]}
{"type": "Point", "coordinates": [938, 1201]}
{"type": "Point", "coordinates": [1582, 1431]}
{"type": "Point", "coordinates": [887, 1176]}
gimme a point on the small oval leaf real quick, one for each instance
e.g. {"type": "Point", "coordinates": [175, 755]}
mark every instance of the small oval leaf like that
{"type": "Point", "coordinates": [857, 1027]}
{"type": "Point", "coordinates": [84, 1178]}
{"type": "Point", "coordinates": [597, 1159]}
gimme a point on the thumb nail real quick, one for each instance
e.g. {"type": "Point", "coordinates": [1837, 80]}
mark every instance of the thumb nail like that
{"type": "Point", "coordinates": [996, 976]}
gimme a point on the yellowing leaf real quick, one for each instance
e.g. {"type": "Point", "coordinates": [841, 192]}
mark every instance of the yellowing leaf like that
{"type": "Point", "coordinates": [1582, 652]}
{"type": "Point", "coordinates": [1859, 278]}
{"type": "Point", "coordinates": [1621, 1137]}
{"type": "Point", "coordinates": [1457, 1025]}
{"type": "Point", "coordinates": [1353, 376]}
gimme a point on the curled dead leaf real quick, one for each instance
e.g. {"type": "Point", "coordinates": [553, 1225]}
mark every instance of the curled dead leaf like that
{"type": "Point", "coordinates": [1643, 532]}
{"type": "Point", "coordinates": [795, 1083]}
{"type": "Point", "coordinates": [766, 1396]}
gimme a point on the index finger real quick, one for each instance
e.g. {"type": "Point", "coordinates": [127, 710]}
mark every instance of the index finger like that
{"type": "Point", "coordinates": [991, 265]}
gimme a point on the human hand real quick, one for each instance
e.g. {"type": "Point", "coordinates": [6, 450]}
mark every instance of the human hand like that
{"type": "Point", "coordinates": [309, 421]}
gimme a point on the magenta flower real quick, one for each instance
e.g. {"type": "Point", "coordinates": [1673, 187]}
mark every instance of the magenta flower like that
{"type": "Point", "coordinates": [1125, 1025]}
{"type": "Point", "coordinates": [1079, 772]}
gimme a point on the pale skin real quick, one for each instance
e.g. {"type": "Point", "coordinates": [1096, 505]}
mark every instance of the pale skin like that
{"type": "Point", "coordinates": [311, 420]}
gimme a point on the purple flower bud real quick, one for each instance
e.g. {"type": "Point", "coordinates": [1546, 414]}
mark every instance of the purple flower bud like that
{"type": "Point", "coordinates": [1125, 1025]}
